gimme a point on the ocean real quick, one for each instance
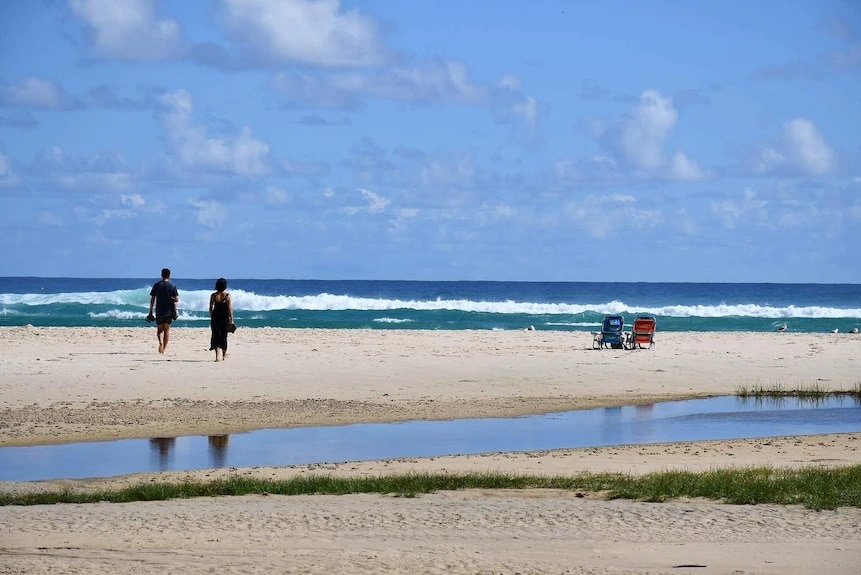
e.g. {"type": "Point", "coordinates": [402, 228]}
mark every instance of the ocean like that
{"type": "Point", "coordinates": [454, 305]}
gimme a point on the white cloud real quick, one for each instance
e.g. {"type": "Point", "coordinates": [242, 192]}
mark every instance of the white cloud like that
{"type": "Point", "coordinates": [304, 168]}
{"type": "Point", "coordinates": [129, 30]}
{"type": "Point", "coordinates": [684, 169]}
{"type": "Point", "coordinates": [580, 172]}
{"type": "Point", "coordinates": [503, 211]}
{"type": "Point", "coordinates": [685, 223]}
{"type": "Point", "coordinates": [854, 211]}
{"type": "Point", "coordinates": [768, 160]}
{"type": "Point", "coordinates": [807, 144]}
{"type": "Point", "coordinates": [242, 155]}
{"type": "Point", "coordinates": [437, 81]}
{"type": "Point", "coordinates": [209, 213]}
{"type": "Point", "coordinates": [376, 203]}
{"type": "Point", "coordinates": [50, 219]}
{"type": "Point", "coordinates": [178, 104]}
{"type": "Point", "coordinates": [613, 199]}
{"type": "Point", "coordinates": [35, 92]}
{"type": "Point", "coordinates": [801, 148]}
{"type": "Point", "coordinates": [107, 214]}
{"type": "Point", "coordinates": [133, 200]}
{"type": "Point", "coordinates": [276, 195]}
{"type": "Point", "coordinates": [565, 170]}
{"type": "Point", "coordinates": [510, 82]}
{"type": "Point", "coordinates": [308, 32]}
{"type": "Point", "coordinates": [432, 82]}
{"type": "Point", "coordinates": [7, 176]}
{"type": "Point", "coordinates": [407, 213]}
{"type": "Point", "coordinates": [448, 172]}
{"type": "Point", "coordinates": [89, 174]}
{"type": "Point", "coordinates": [520, 110]}
{"type": "Point", "coordinates": [728, 212]}
{"type": "Point", "coordinates": [636, 143]}
{"type": "Point", "coordinates": [733, 212]}
{"type": "Point", "coordinates": [592, 213]}
{"type": "Point", "coordinates": [95, 181]}
{"type": "Point", "coordinates": [644, 131]}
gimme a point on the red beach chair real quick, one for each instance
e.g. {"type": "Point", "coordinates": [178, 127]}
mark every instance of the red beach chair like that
{"type": "Point", "coordinates": [643, 332]}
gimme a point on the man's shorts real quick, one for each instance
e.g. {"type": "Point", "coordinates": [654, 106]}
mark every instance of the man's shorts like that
{"type": "Point", "coordinates": [163, 320]}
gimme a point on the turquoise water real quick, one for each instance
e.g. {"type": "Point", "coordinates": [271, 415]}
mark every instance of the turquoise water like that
{"type": "Point", "coordinates": [564, 306]}
{"type": "Point", "coordinates": [693, 420]}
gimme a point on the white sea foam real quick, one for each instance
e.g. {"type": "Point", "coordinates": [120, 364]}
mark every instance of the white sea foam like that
{"type": "Point", "coordinates": [117, 314]}
{"type": "Point", "coordinates": [127, 315]}
{"type": "Point", "coordinates": [331, 302]}
{"type": "Point", "coordinates": [392, 320]}
{"type": "Point", "coordinates": [198, 301]}
{"type": "Point", "coordinates": [119, 297]}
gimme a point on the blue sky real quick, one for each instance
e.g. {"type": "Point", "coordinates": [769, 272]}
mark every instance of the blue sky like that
{"type": "Point", "coordinates": [432, 139]}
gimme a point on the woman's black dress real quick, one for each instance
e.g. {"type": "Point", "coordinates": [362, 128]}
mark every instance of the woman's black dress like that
{"type": "Point", "coordinates": [218, 323]}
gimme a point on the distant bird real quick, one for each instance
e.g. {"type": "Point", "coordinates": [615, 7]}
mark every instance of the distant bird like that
{"type": "Point", "coordinates": [781, 327]}
{"type": "Point", "coordinates": [853, 330]}
{"type": "Point", "coordinates": [530, 328]}
{"type": "Point", "coordinates": [835, 330]}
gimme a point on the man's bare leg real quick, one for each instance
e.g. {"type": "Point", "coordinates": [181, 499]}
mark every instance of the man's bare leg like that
{"type": "Point", "coordinates": [165, 338]}
{"type": "Point", "coordinates": [159, 333]}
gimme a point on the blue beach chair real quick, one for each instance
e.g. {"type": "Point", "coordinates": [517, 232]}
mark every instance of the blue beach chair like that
{"type": "Point", "coordinates": [611, 334]}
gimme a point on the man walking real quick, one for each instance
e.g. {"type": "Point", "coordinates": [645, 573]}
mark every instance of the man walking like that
{"type": "Point", "coordinates": [163, 297]}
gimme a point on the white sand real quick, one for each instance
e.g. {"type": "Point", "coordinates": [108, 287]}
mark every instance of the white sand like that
{"type": "Point", "coordinates": [61, 384]}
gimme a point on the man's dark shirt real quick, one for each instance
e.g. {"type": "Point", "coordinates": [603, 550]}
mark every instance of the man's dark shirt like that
{"type": "Point", "coordinates": [164, 291]}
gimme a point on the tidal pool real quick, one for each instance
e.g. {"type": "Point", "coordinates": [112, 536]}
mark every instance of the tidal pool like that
{"type": "Point", "coordinates": [692, 420]}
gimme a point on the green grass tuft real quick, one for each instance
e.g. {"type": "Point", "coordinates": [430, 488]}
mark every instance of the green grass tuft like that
{"type": "Point", "coordinates": [802, 390]}
{"type": "Point", "coordinates": [813, 487]}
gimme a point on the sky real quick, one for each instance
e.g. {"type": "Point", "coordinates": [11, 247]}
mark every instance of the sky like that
{"type": "Point", "coordinates": [432, 139]}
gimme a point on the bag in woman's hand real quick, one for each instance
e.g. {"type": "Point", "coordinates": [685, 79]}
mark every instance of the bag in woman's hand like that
{"type": "Point", "coordinates": [231, 327]}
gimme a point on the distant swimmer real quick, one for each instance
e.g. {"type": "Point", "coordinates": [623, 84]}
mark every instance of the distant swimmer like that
{"type": "Point", "coordinates": [781, 327]}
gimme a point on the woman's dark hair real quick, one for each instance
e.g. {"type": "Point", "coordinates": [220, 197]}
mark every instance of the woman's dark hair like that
{"type": "Point", "coordinates": [220, 284]}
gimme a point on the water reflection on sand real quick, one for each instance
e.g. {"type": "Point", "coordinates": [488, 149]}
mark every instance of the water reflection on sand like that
{"type": "Point", "coordinates": [694, 420]}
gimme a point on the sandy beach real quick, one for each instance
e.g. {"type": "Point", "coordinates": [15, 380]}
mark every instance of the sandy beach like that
{"type": "Point", "coordinates": [79, 384]}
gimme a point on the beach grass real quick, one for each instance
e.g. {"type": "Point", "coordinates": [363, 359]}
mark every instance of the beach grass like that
{"type": "Point", "coordinates": [814, 487]}
{"type": "Point", "coordinates": [815, 390]}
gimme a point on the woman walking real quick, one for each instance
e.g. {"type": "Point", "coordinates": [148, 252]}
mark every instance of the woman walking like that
{"type": "Point", "coordinates": [221, 316]}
